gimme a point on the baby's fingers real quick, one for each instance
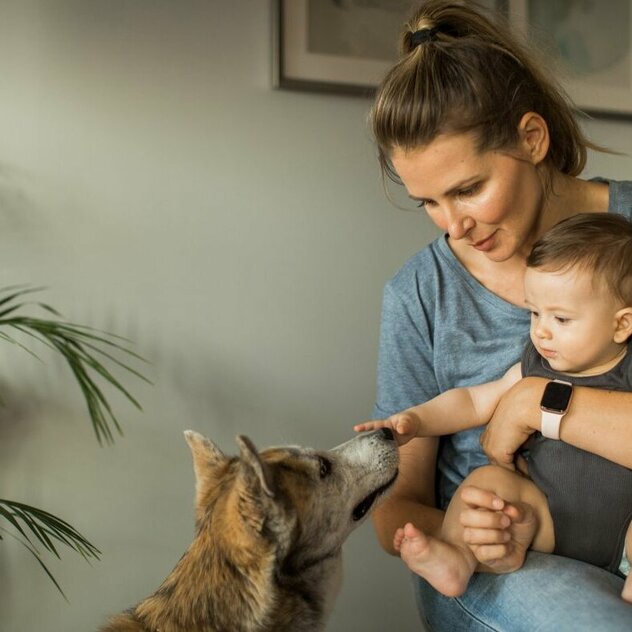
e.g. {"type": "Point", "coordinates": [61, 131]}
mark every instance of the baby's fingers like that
{"type": "Point", "coordinates": [369, 425]}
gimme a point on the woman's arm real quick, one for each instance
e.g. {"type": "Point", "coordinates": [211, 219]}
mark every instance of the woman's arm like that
{"type": "Point", "coordinates": [597, 421]}
{"type": "Point", "coordinates": [412, 498]}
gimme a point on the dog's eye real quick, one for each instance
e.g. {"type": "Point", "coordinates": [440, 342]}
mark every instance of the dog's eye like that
{"type": "Point", "coordinates": [325, 467]}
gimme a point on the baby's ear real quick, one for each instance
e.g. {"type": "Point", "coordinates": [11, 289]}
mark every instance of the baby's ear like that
{"type": "Point", "coordinates": [623, 325]}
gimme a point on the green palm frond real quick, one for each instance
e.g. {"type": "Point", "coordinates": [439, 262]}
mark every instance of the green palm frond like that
{"type": "Point", "coordinates": [83, 348]}
{"type": "Point", "coordinates": [37, 527]}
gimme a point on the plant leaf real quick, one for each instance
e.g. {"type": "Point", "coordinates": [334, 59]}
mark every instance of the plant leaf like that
{"type": "Point", "coordinates": [46, 528]}
{"type": "Point", "coordinates": [84, 350]}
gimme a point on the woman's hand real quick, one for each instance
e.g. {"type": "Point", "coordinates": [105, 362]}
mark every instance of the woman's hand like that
{"type": "Point", "coordinates": [498, 534]}
{"type": "Point", "coordinates": [515, 419]}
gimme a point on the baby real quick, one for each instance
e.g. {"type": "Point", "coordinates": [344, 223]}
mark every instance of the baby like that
{"type": "Point", "coordinates": [578, 287]}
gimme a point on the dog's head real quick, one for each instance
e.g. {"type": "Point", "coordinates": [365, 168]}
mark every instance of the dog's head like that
{"type": "Point", "coordinates": [301, 502]}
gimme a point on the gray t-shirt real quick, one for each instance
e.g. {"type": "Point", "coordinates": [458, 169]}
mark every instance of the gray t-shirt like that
{"type": "Point", "coordinates": [442, 329]}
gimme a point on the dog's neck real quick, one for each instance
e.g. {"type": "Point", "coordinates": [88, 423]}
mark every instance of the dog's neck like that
{"type": "Point", "coordinates": [254, 584]}
{"type": "Point", "coordinates": [208, 574]}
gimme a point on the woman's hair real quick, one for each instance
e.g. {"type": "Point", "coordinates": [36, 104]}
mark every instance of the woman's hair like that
{"type": "Point", "coordinates": [599, 243]}
{"type": "Point", "coordinates": [471, 74]}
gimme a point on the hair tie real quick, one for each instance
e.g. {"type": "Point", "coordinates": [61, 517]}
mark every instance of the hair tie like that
{"type": "Point", "coordinates": [424, 35]}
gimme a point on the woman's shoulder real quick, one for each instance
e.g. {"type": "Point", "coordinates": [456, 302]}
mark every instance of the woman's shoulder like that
{"type": "Point", "coordinates": [424, 265]}
{"type": "Point", "coordinates": [421, 274]}
{"type": "Point", "coordinates": [620, 196]}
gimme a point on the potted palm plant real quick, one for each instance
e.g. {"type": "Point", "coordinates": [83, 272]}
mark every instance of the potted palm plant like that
{"type": "Point", "coordinates": [89, 353]}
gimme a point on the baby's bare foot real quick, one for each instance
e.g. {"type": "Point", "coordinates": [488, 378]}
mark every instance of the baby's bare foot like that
{"type": "Point", "coordinates": [445, 566]}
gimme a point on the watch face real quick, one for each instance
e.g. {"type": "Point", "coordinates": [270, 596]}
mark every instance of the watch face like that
{"type": "Point", "coordinates": [556, 396]}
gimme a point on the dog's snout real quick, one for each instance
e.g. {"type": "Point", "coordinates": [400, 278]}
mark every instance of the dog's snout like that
{"type": "Point", "coordinates": [387, 433]}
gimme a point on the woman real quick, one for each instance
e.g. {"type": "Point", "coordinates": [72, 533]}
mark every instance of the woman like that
{"type": "Point", "coordinates": [488, 145]}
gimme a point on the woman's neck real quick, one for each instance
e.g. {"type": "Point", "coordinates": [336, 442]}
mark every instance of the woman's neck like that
{"type": "Point", "coordinates": [568, 196]}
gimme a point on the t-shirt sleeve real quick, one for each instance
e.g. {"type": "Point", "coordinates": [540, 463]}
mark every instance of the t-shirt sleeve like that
{"type": "Point", "coordinates": [405, 374]}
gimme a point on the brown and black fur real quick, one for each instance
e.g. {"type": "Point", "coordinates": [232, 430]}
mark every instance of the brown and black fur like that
{"type": "Point", "coordinates": [269, 530]}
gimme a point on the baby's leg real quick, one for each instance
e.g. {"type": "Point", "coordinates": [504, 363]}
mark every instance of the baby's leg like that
{"type": "Point", "coordinates": [448, 563]}
{"type": "Point", "coordinates": [627, 587]}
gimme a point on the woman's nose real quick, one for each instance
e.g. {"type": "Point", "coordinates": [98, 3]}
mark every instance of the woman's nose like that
{"type": "Point", "coordinates": [458, 225]}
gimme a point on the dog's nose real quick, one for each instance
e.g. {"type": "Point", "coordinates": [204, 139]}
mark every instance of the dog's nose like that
{"type": "Point", "coordinates": [387, 433]}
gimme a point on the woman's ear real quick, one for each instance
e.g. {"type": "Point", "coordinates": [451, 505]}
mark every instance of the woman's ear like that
{"type": "Point", "coordinates": [623, 325]}
{"type": "Point", "coordinates": [533, 133]}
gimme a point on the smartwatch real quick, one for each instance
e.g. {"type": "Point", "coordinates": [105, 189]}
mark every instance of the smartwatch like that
{"type": "Point", "coordinates": [554, 405]}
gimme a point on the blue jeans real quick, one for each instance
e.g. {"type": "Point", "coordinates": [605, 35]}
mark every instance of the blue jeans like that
{"type": "Point", "coordinates": [548, 593]}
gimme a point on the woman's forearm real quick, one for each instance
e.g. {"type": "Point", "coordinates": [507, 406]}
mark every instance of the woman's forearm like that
{"type": "Point", "coordinates": [395, 512]}
{"type": "Point", "coordinates": [597, 421]}
{"type": "Point", "coordinates": [412, 498]}
{"type": "Point", "coordinates": [600, 422]}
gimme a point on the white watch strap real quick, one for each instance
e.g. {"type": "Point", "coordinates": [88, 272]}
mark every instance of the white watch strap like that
{"type": "Point", "coordinates": [551, 424]}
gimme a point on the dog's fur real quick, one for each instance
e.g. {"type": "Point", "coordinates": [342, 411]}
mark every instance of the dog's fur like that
{"type": "Point", "coordinates": [269, 532]}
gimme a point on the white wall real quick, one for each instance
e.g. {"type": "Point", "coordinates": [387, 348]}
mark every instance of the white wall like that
{"type": "Point", "coordinates": [156, 184]}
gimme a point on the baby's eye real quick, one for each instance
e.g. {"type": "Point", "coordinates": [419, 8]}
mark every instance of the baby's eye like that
{"type": "Point", "coordinates": [534, 314]}
{"type": "Point", "coordinates": [562, 320]}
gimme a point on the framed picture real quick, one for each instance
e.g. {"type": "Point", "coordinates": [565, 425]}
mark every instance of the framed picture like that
{"type": "Point", "coordinates": [591, 42]}
{"type": "Point", "coordinates": [347, 46]}
{"type": "Point", "coordinates": [343, 46]}
{"type": "Point", "coordinates": [336, 45]}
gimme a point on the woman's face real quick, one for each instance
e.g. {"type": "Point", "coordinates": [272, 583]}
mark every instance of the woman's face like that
{"type": "Point", "coordinates": [488, 201]}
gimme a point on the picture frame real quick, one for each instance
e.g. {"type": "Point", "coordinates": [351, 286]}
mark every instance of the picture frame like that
{"type": "Point", "coordinates": [347, 46]}
{"type": "Point", "coordinates": [591, 46]}
{"type": "Point", "coordinates": [338, 58]}
{"type": "Point", "coordinates": [339, 46]}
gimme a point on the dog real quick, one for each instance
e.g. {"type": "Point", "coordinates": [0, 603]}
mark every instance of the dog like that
{"type": "Point", "coordinates": [270, 526]}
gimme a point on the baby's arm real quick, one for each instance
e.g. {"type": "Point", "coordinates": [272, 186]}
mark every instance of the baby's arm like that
{"type": "Point", "coordinates": [451, 411]}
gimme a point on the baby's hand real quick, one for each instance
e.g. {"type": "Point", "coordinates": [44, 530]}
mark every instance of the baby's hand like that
{"type": "Point", "coordinates": [405, 426]}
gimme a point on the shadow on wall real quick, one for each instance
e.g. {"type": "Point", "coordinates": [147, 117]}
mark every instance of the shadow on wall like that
{"type": "Point", "coordinates": [17, 209]}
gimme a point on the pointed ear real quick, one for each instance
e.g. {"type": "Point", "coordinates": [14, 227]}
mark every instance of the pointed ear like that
{"type": "Point", "coordinates": [623, 325]}
{"type": "Point", "coordinates": [206, 458]}
{"type": "Point", "coordinates": [533, 133]}
{"type": "Point", "coordinates": [255, 471]}
{"type": "Point", "coordinates": [255, 495]}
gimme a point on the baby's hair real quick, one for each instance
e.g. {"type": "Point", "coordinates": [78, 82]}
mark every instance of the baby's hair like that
{"type": "Point", "coordinates": [470, 74]}
{"type": "Point", "coordinates": [600, 243]}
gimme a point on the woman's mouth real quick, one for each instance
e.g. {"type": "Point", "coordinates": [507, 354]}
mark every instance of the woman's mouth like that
{"type": "Point", "coordinates": [485, 245]}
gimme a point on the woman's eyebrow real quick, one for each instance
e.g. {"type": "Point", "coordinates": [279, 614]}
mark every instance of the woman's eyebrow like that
{"type": "Point", "coordinates": [455, 188]}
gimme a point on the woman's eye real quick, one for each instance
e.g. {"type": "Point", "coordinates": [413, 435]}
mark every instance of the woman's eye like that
{"type": "Point", "coordinates": [471, 190]}
{"type": "Point", "coordinates": [424, 203]}
{"type": "Point", "coordinates": [325, 467]}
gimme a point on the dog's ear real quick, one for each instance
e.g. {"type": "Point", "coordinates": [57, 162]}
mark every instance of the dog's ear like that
{"type": "Point", "coordinates": [255, 500]}
{"type": "Point", "coordinates": [255, 470]}
{"type": "Point", "coordinates": [206, 458]}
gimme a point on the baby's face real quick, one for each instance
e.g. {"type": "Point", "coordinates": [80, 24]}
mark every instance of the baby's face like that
{"type": "Point", "coordinates": [573, 322]}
